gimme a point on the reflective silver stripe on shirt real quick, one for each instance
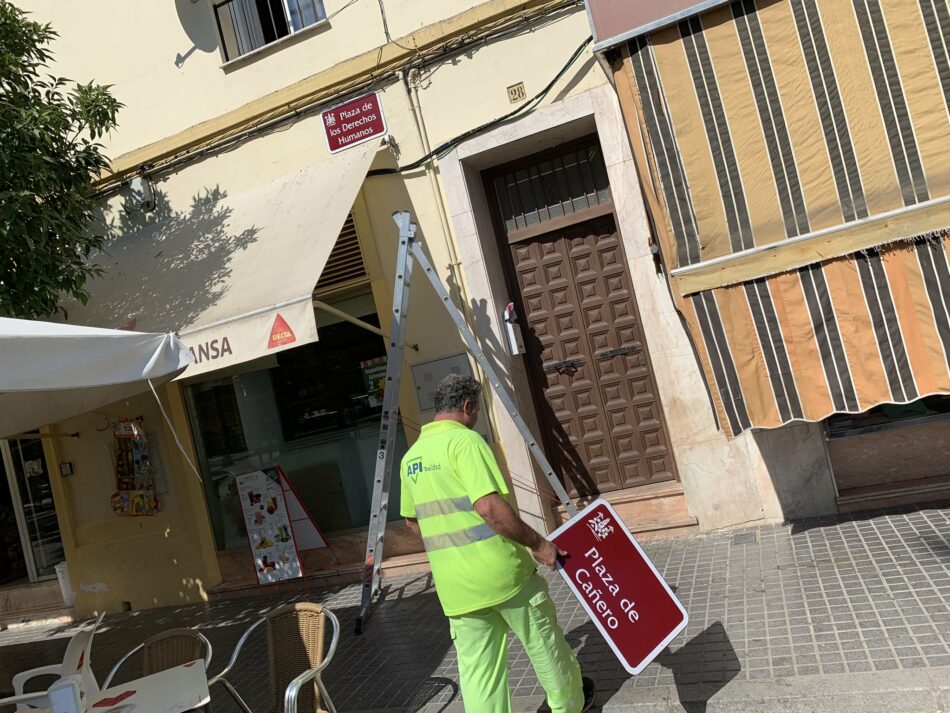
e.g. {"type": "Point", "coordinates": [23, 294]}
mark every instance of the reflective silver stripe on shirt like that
{"type": "Point", "coordinates": [458, 538]}
{"type": "Point", "coordinates": [443, 507]}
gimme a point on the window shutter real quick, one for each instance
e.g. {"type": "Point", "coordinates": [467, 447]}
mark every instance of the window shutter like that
{"type": "Point", "coordinates": [345, 267]}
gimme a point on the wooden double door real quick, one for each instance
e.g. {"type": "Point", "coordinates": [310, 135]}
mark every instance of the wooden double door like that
{"type": "Point", "coordinates": [593, 382]}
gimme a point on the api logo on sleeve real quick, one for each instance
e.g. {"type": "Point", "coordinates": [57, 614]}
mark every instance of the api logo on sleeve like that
{"type": "Point", "coordinates": [413, 468]}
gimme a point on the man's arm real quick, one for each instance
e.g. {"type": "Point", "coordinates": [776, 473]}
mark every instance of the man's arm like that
{"type": "Point", "coordinates": [496, 511]}
{"type": "Point", "coordinates": [413, 526]}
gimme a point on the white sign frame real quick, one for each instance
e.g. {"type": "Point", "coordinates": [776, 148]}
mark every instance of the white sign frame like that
{"type": "Point", "coordinates": [633, 670]}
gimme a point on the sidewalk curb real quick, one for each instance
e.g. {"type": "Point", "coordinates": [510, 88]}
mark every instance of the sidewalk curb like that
{"type": "Point", "coordinates": [16, 624]}
{"type": "Point", "coordinates": [920, 690]}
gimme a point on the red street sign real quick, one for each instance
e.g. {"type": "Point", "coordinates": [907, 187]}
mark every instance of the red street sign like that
{"type": "Point", "coordinates": [618, 585]}
{"type": "Point", "coordinates": [353, 123]}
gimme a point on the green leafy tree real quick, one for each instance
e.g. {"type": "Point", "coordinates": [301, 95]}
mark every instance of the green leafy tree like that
{"type": "Point", "coordinates": [49, 155]}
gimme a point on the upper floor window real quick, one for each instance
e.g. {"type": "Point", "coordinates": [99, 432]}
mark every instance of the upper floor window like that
{"type": "Point", "coordinates": [247, 25]}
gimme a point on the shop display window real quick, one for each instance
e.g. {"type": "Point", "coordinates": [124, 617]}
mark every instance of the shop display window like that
{"type": "Point", "coordinates": [314, 410]}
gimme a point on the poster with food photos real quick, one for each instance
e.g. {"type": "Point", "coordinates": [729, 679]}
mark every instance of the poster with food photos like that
{"type": "Point", "coordinates": [269, 532]}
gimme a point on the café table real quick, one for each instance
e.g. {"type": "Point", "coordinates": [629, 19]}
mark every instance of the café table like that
{"type": "Point", "coordinates": [174, 690]}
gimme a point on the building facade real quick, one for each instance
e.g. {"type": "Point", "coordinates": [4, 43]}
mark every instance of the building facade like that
{"type": "Point", "coordinates": [793, 159]}
{"type": "Point", "coordinates": [515, 147]}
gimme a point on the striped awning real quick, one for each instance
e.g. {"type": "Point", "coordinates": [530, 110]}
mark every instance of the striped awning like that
{"type": "Point", "coordinates": [795, 159]}
{"type": "Point", "coordinates": [834, 337]}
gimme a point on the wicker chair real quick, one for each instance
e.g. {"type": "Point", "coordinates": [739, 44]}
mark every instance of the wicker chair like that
{"type": "Point", "coordinates": [161, 652]}
{"type": "Point", "coordinates": [296, 653]}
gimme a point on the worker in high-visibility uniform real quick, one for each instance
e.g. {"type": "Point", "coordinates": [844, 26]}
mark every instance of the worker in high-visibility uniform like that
{"type": "Point", "coordinates": [453, 496]}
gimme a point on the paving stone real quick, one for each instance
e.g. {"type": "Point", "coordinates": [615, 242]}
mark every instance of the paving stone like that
{"type": "Point", "coordinates": [832, 596]}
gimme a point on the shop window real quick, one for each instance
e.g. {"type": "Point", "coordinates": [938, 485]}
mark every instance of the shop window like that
{"type": "Point", "coordinates": [321, 390]}
{"type": "Point", "coordinates": [888, 416]}
{"type": "Point", "coordinates": [217, 411]}
{"type": "Point", "coordinates": [12, 559]}
{"type": "Point", "coordinates": [248, 25]}
{"type": "Point", "coordinates": [313, 410]}
{"type": "Point", "coordinates": [30, 542]}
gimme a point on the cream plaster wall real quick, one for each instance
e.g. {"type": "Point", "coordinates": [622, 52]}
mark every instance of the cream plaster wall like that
{"type": "Point", "coordinates": [134, 47]}
{"type": "Point", "coordinates": [163, 61]}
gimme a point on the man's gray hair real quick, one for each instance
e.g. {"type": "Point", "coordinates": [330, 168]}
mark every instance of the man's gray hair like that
{"type": "Point", "coordinates": [454, 390]}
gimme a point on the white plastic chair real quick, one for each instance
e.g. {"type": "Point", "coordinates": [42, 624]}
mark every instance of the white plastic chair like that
{"type": "Point", "coordinates": [77, 664]}
{"type": "Point", "coordinates": [66, 695]}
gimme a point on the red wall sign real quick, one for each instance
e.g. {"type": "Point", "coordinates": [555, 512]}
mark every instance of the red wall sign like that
{"type": "Point", "coordinates": [353, 123]}
{"type": "Point", "coordinates": [618, 585]}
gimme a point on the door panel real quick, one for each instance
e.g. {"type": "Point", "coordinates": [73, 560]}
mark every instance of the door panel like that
{"type": "Point", "coordinates": [599, 411]}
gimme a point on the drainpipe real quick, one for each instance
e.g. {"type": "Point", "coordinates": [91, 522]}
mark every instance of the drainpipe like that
{"type": "Point", "coordinates": [412, 94]}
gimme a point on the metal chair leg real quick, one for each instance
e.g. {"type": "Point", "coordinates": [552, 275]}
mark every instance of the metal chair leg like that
{"type": "Point", "coordinates": [235, 696]}
{"type": "Point", "coordinates": [325, 697]}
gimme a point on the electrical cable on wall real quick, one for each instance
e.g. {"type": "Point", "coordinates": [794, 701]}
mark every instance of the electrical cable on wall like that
{"type": "Point", "coordinates": [446, 147]}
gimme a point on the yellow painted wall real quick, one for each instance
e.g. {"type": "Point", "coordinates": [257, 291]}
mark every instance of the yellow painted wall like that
{"type": "Point", "coordinates": [135, 47]}
{"type": "Point", "coordinates": [160, 560]}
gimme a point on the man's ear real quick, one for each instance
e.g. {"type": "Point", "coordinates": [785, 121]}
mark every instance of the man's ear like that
{"type": "Point", "coordinates": [468, 406]}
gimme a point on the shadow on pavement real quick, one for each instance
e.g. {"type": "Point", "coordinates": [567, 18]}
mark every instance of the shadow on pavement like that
{"type": "Point", "coordinates": [431, 689]}
{"type": "Point", "coordinates": [702, 667]}
{"type": "Point", "coordinates": [597, 661]}
{"type": "Point", "coordinates": [800, 526]}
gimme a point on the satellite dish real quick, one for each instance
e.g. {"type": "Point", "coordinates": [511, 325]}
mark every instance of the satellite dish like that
{"type": "Point", "coordinates": [197, 21]}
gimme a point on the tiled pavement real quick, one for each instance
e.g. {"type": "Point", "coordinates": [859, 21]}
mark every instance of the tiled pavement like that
{"type": "Point", "coordinates": [861, 593]}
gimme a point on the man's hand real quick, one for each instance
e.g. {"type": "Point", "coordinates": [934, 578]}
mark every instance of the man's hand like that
{"type": "Point", "coordinates": [496, 511]}
{"type": "Point", "coordinates": [546, 553]}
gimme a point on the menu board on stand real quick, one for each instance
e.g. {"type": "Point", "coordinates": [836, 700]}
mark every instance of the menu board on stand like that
{"type": "Point", "coordinates": [277, 523]}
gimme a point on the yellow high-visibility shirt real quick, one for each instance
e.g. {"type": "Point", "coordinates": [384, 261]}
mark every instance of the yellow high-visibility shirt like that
{"type": "Point", "coordinates": [443, 474]}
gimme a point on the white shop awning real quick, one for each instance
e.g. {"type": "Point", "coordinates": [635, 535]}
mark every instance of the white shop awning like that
{"type": "Point", "coordinates": [232, 275]}
{"type": "Point", "coordinates": [49, 372]}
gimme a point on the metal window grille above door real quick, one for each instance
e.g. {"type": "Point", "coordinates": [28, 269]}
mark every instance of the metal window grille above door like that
{"type": "Point", "coordinates": [551, 188]}
{"type": "Point", "coordinates": [345, 268]}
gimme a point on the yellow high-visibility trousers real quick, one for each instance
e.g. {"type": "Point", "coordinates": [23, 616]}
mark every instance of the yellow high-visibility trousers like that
{"type": "Point", "coordinates": [481, 640]}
